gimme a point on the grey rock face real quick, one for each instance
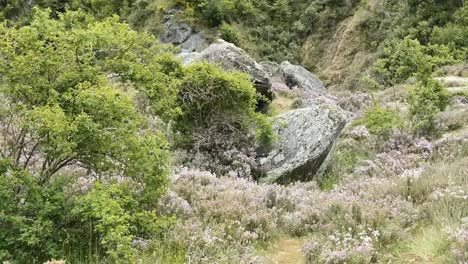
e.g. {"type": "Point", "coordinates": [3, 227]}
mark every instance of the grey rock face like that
{"type": "Point", "coordinates": [175, 32]}
{"type": "Point", "coordinates": [271, 68]}
{"type": "Point", "coordinates": [296, 76]}
{"type": "Point", "coordinates": [188, 58]}
{"type": "Point", "coordinates": [195, 42]}
{"type": "Point", "coordinates": [181, 34]}
{"type": "Point", "coordinates": [304, 140]}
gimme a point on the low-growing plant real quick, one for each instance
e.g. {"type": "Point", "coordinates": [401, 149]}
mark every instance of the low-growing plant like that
{"type": "Point", "coordinates": [381, 121]}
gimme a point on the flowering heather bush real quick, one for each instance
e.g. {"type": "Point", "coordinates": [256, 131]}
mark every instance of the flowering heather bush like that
{"type": "Point", "coordinates": [227, 160]}
{"type": "Point", "coordinates": [220, 219]}
{"type": "Point", "coordinates": [223, 219]}
{"type": "Point", "coordinates": [459, 238]}
{"type": "Point", "coordinates": [376, 206]}
{"type": "Point", "coordinates": [351, 246]}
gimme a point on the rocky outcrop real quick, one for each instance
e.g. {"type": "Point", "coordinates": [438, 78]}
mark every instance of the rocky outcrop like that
{"type": "Point", "coordinates": [271, 68]}
{"type": "Point", "coordinates": [305, 136]}
{"type": "Point", "coordinates": [230, 57]}
{"type": "Point", "coordinates": [175, 32]}
{"type": "Point", "coordinates": [304, 140]}
{"type": "Point", "coordinates": [181, 34]}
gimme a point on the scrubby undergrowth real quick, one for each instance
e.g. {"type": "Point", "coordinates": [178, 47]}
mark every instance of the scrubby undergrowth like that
{"type": "Point", "coordinates": [410, 201]}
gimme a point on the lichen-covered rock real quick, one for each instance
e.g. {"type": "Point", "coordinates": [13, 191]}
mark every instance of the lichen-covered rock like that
{"type": "Point", "coordinates": [305, 138]}
{"type": "Point", "coordinates": [181, 34]}
{"type": "Point", "coordinates": [175, 32]}
{"type": "Point", "coordinates": [296, 76]}
{"type": "Point", "coordinates": [188, 58]}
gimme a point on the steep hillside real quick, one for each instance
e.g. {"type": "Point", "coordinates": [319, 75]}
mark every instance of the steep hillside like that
{"type": "Point", "coordinates": [343, 58]}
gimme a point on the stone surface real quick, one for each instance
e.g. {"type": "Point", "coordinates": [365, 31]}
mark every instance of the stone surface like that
{"type": "Point", "coordinates": [175, 32]}
{"type": "Point", "coordinates": [296, 76]}
{"type": "Point", "coordinates": [305, 138]}
{"type": "Point", "coordinates": [180, 33]}
{"type": "Point", "coordinates": [194, 43]}
{"type": "Point", "coordinates": [271, 68]}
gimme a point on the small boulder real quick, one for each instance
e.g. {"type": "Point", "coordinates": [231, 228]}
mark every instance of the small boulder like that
{"type": "Point", "coordinates": [296, 76]}
{"type": "Point", "coordinates": [305, 138]}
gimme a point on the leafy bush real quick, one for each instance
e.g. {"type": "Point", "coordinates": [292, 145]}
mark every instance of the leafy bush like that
{"type": "Point", "coordinates": [381, 121]}
{"type": "Point", "coordinates": [455, 32]}
{"type": "Point", "coordinates": [214, 102]}
{"type": "Point", "coordinates": [403, 59]}
{"type": "Point", "coordinates": [218, 113]}
{"type": "Point", "coordinates": [117, 219]}
{"type": "Point", "coordinates": [427, 98]}
{"type": "Point", "coordinates": [66, 108]}
{"type": "Point", "coordinates": [229, 33]}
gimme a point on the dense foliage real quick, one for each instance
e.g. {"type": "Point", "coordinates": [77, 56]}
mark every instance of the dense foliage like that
{"type": "Point", "coordinates": [82, 164]}
{"type": "Point", "coordinates": [61, 110]}
{"type": "Point", "coordinates": [214, 104]}
{"type": "Point", "coordinates": [268, 29]}
{"type": "Point", "coordinates": [427, 98]}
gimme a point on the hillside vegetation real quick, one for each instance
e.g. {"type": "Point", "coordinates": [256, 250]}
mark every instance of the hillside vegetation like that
{"type": "Point", "coordinates": [114, 150]}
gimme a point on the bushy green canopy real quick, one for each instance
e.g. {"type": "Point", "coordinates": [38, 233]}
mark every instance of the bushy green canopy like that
{"type": "Point", "coordinates": [68, 89]}
{"type": "Point", "coordinates": [64, 104]}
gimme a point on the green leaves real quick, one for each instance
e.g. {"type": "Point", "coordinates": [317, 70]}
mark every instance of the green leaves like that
{"type": "Point", "coordinates": [214, 100]}
{"type": "Point", "coordinates": [64, 77]}
{"type": "Point", "coordinates": [427, 98]}
{"type": "Point", "coordinates": [68, 89]}
{"type": "Point", "coordinates": [381, 121]}
{"type": "Point", "coordinates": [402, 59]}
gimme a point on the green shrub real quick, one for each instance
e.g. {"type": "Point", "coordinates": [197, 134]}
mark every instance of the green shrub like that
{"type": "Point", "coordinates": [427, 98]}
{"type": "Point", "coordinates": [367, 83]}
{"type": "Point", "coordinates": [381, 121]}
{"type": "Point", "coordinates": [63, 110]}
{"type": "Point", "coordinates": [399, 61]}
{"type": "Point", "coordinates": [455, 33]}
{"type": "Point", "coordinates": [345, 158]}
{"type": "Point", "coordinates": [402, 59]}
{"type": "Point", "coordinates": [116, 218]}
{"type": "Point", "coordinates": [229, 33]}
{"type": "Point", "coordinates": [214, 103]}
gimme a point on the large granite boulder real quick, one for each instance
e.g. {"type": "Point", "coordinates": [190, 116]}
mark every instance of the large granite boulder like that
{"type": "Point", "coordinates": [305, 138]}
{"type": "Point", "coordinates": [230, 57]}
